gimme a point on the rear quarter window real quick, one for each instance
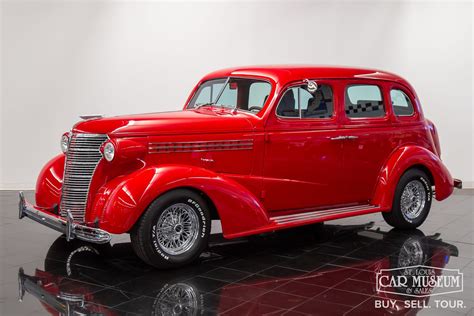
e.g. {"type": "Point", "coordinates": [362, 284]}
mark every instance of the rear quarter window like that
{"type": "Point", "coordinates": [401, 103]}
{"type": "Point", "coordinates": [364, 101]}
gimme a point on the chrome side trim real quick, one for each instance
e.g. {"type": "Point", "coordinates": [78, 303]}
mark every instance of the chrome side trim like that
{"type": "Point", "coordinates": [285, 219]}
{"type": "Point", "coordinates": [213, 145]}
{"type": "Point", "coordinates": [66, 226]}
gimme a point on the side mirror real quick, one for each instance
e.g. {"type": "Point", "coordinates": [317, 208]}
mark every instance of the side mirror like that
{"type": "Point", "coordinates": [312, 86]}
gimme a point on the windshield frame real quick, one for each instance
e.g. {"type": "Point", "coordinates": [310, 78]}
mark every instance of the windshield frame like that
{"type": "Point", "coordinates": [226, 82]}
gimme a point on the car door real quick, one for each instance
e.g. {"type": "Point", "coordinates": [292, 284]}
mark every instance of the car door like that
{"type": "Point", "coordinates": [302, 161]}
{"type": "Point", "coordinates": [369, 138]}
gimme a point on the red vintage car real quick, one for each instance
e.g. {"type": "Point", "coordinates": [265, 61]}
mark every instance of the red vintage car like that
{"type": "Point", "coordinates": [259, 148]}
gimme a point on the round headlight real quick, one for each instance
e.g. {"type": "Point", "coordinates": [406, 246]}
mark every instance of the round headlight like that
{"type": "Point", "coordinates": [109, 151]}
{"type": "Point", "coordinates": [64, 143]}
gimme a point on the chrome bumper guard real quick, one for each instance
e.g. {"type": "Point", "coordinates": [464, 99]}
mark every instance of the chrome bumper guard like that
{"type": "Point", "coordinates": [66, 226]}
{"type": "Point", "coordinates": [457, 183]}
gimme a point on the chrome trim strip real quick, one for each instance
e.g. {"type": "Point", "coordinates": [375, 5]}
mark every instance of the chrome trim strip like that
{"type": "Point", "coordinates": [284, 219]}
{"type": "Point", "coordinates": [66, 226]}
{"type": "Point", "coordinates": [199, 146]}
{"type": "Point", "coordinates": [349, 208]}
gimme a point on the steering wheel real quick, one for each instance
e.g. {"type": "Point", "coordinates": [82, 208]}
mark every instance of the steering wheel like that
{"type": "Point", "coordinates": [254, 108]}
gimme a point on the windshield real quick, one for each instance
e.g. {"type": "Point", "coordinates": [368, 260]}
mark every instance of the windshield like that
{"type": "Point", "coordinates": [239, 93]}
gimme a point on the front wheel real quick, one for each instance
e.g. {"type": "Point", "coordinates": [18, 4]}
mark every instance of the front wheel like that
{"type": "Point", "coordinates": [412, 200]}
{"type": "Point", "coordinates": [173, 231]}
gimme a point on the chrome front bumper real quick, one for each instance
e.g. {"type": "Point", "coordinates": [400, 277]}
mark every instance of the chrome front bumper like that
{"type": "Point", "coordinates": [66, 226]}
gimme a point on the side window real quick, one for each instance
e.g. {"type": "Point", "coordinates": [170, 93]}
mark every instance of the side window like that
{"type": "Point", "coordinates": [258, 94]}
{"type": "Point", "coordinates": [401, 103]}
{"type": "Point", "coordinates": [318, 104]}
{"type": "Point", "coordinates": [364, 101]}
{"type": "Point", "coordinates": [288, 106]}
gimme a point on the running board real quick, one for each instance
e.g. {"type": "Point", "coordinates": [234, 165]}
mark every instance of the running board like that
{"type": "Point", "coordinates": [328, 214]}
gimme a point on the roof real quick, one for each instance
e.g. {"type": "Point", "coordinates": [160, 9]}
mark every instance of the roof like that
{"type": "Point", "coordinates": [288, 73]}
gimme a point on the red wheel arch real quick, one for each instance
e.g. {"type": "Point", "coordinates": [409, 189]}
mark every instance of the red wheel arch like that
{"type": "Point", "coordinates": [400, 161]}
{"type": "Point", "coordinates": [120, 203]}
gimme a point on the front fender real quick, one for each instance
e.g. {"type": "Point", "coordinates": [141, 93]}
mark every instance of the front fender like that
{"type": "Point", "coordinates": [49, 183]}
{"type": "Point", "coordinates": [120, 203]}
{"type": "Point", "coordinates": [403, 159]}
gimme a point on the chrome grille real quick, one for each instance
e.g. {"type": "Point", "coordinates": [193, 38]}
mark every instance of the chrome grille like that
{"type": "Point", "coordinates": [82, 157]}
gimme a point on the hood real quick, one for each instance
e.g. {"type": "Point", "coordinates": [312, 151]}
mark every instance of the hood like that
{"type": "Point", "coordinates": [166, 123]}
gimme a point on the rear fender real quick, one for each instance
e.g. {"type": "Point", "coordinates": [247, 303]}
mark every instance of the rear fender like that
{"type": "Point", "coordinates": [120, 203]}
{"type": "Point", "coordinates": [403, 159]}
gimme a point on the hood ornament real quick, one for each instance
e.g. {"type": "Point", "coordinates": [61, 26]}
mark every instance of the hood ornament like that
{"type": "Point", "coordinates": [91, 116]}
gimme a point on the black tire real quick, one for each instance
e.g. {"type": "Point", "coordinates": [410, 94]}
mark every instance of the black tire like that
{"type": "Point", "coordinates": [396, 217]}
{"type": "Point", "coordinates": [143, 236]}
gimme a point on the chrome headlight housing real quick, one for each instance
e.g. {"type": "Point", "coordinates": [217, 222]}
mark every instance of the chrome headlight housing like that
{"type": "Point", "coordinates": [64, 142]}
{"type": "Point", "coordinates": [109, 151]}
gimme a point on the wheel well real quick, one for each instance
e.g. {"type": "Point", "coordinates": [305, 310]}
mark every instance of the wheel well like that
{"type": "Point", "coordinates": [425, 170]}
{"type": "Point", "coordinates": [212, 208]}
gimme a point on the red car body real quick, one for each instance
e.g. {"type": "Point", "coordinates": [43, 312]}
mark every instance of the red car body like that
{"type": "Point", "coordinates": [260, 172]}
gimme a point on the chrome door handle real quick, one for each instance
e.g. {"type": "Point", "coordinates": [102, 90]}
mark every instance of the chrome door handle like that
{"type": "Point", "coordinates": [344, 137]}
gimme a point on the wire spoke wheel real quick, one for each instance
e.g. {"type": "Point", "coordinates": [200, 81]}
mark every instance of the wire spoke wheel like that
{"type": "Point", "coordinates": [411, 253]}
{"type": "Point", "coordinates": [178, 299]}
{"type": "Point", "coordinates": [177, 229]}
{"type": "Point", "coordinates": [413, 199]}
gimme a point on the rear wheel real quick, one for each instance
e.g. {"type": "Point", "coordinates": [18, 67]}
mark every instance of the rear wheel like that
{"type": "Point", "coordinates": [173, 231]}
{"type": "Point", "coordinates": [412, 200]}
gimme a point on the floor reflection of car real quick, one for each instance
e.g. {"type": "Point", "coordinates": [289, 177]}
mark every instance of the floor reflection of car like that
{"type": "Point", "coordinates": [73, 271]}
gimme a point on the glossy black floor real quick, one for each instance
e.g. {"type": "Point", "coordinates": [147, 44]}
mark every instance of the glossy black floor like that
{"type": "Point", "coordinates": [326, 269]}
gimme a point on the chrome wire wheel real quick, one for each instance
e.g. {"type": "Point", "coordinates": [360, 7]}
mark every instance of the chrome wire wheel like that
{"type": "Point", "coordinates": [413, 199]}
{"type": "Point", "coordinates": [178, 299]}
{"type": "Point", "coordinates": [411, 254]}
{"type": "Point", "coordinates": [177, 229]}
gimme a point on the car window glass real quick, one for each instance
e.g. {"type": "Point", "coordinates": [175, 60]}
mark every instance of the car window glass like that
{"type": "Point", "coordinates": [364, 101]}
{"type": "Point", "coordinates": [258, 94]}
{"type": "Point", "coordinates": [207, 92]}
{"type": "Point", "coordinates": [304, 97]}
{"type": "Point", "coordinates": [204, 95]}
{"type": "Point", "coordinates": [288, 106]}
{"type": "Point", "coordinates": [318, 104]}
{"type": "Point", "coordinates": [401, 103]}
{"type": "Point", "coordinates": [228, 96]}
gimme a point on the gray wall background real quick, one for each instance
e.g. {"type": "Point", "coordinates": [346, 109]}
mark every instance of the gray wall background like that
{"type": "Point", "coordinates": [61, 59]}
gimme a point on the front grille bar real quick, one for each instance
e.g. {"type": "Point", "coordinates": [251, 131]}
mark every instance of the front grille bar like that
{"type": "Point", "coordinates": [82, 158]}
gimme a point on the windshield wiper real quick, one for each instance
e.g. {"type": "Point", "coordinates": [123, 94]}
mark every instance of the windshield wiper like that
{"type": "Point", "coordinates": [197, 106]}
{"type": "Point", "coordinates": [217, 98]}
